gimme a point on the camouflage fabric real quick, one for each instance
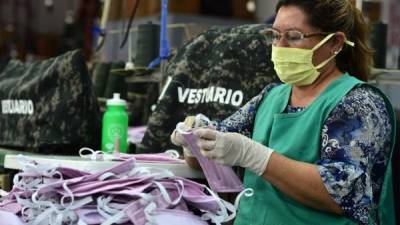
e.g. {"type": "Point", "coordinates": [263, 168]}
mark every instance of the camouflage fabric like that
{"type": "Point", "coordinates": [49, 106]}
{"type": "Point", "coordinates": [214, 74]}
{"type": "Point", "coordinates": [3, 63]}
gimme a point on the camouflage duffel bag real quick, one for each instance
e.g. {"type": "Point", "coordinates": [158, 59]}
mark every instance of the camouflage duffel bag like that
{"type": "Point", "coordinates": [49, 106]}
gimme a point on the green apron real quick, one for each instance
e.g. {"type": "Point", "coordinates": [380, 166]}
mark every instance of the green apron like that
{"type": "Point", "coordinates": [298, 136]}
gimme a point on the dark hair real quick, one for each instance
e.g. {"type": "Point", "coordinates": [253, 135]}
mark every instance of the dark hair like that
{"type": "Point", "coordinates": [340, 15]}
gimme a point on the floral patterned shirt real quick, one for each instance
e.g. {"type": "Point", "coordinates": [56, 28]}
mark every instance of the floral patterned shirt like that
{"type": "Point", "coordinates": [355, 147]}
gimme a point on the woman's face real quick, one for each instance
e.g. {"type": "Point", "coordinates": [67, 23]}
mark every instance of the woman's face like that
{"type": "Point", "coordinates": [293, 18]}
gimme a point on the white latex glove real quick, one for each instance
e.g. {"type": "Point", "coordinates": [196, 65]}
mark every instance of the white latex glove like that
{"type": "Point", "coordinates": [233, 149]}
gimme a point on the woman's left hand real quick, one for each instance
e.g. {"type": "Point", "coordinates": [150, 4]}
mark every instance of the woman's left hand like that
{"type": "Point", "coordinates": [233, 149]}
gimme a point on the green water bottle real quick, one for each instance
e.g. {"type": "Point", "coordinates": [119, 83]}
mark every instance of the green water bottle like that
{"type": "Point", "coordinates": [115, 126]}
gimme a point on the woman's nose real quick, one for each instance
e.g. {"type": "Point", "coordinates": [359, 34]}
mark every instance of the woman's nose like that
{"type": "Point", "coordinates": [281, 42]}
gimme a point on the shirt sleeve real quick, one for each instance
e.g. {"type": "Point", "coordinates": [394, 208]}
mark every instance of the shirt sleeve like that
{"type": "Point", "coordinates": [242, 120]}
{"type": "Point", "coordinates": [356, 145]}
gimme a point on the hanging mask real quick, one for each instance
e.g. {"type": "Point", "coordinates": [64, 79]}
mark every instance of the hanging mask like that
{"type": "Point", "coordinates": [294, 65]}
{"type": "Point", "coordinates": [220, 178]}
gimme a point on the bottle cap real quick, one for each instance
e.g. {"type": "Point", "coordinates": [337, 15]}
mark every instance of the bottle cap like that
{"type": "Point", "coordinates": [116, 100]}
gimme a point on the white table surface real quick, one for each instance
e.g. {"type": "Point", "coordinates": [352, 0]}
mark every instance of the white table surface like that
{"type": "Point", "coordinates": [76, 162]}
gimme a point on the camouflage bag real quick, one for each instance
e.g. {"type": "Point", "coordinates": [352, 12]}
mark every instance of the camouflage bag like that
{"type": "Point", "coordinates": [49, 106]}
{"type": "Point", "coordinates": [215, 74]}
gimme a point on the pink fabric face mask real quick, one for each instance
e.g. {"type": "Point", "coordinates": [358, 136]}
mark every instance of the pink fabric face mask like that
{"type": "Point", "coordinates": [220, 178]}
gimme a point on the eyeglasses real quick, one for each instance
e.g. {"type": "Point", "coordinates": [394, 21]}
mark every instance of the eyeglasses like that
{"type": "Point", "coordinates": [291, 36]}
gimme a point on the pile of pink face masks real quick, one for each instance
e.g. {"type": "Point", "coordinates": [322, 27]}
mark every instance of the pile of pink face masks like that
{"type": "Point", "coordinates": [124, 194]}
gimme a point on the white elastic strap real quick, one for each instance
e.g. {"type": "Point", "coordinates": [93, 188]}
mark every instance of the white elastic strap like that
{"type": "Point", "coordinates": [326, 61]}
{"type": "Point", "coordinates": [157, 173]}
{"type": "Point", "coordinates": [24, 162]}
{"type": "Point", "coordinates": [34, 197]}
{"type": "Point", "coordinates": [117, 215]}
{"type": "Point", "coordinates": [146, 198]}
{"type": "Point", "coordinates": [349, 43]}
{"type": "Point", "coordinates": [248, 192]}
{"type": "Point", "coordinates": [327, 38]}
{"type": "Point", "coordinates": [117, 206]}
{"type": "Point", "coordinates": [113, 208]}
{"type": "Point", "coordinates": [323, 41]}
{"type": "Point", "coordinates": [231, 208]}
{"type": "Point", "coordinates": [117, 218]}
{"type": "Point", "coordinates": [54, 214]}
{"type": "Point", "coordinates": [106, 176]}
{"type": "Point", "coordinates": [52, 172]}
{"type": "Point", "coordinates": [147, 212]}
{"type": "Point", "coordinates": [112, 215]}
{"type": "Point", "coordinates": [16, 180]}
{"type": "Point", "coordinates": [32, 167]}
{"type": "Point", "coordinates": [45, 215]}
{"type": "Point", "coordinates": [101, 201]}
{"type": "Point", "coordinates": [92, 155]}
{"type": "Point", "coordinates": [139, 171]}
{"type": "Point", "coordinates": [81, 202]}
{"type": "Point", "coordinates": [45, 212]}
{"type": "Point", "coordinates": [25, 204]}
{"type": "Point", "coordinates": [32, 181]}
{"type": "Point", "coordinates": [221, 215]}
{"type": "Point", "coordinates": [59, 219]}
{"type": "Point", "coordinates": [172, 153]}
{"type": "Point", "coordinates": [26, 183]}
{"type": "Point", "coordinates": [59, 177]}
{"type": "Point", "coordinates": [80, 222]}
{"type": "Point", "coordinates": [69, 194]}
{"type": "Point", "coordinates": [165, 194]}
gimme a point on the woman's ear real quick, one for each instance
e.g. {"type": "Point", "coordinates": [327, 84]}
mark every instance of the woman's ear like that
{"type": "Point", "coordinates": [338, 41]}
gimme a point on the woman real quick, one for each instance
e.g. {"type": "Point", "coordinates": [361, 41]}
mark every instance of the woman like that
{"type": "Point", "coordinates": [321, 142]}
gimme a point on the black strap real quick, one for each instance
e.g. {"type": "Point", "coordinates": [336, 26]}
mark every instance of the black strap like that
{"type": "Point", "coordinates": [130, 24]}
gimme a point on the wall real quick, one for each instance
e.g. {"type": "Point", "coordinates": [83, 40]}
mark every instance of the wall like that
{"type": "Point", "coordinates": [265, 9]}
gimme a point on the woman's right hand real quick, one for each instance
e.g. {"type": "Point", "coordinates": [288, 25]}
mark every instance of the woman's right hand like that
{"type": "Point", "coordinates": [178, 140]}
